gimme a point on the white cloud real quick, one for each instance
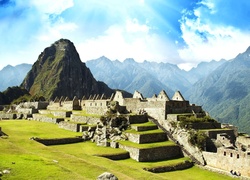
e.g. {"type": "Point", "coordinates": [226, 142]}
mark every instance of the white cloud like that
{"type": "Point", "coordinates": [133, 26]}
{"type": "Point", "coordinates": [52, 7]}
{"type": "Point", "coordinates": [207, 40]}
{"type": "Point", "coordinates": [130, 40]}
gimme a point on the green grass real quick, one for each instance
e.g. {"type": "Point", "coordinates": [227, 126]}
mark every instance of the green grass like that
{"type": "Point", "coordinates": [28, 159]}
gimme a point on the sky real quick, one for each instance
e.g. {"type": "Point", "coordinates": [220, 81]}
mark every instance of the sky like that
{"type": "Point", "coordinates": [181, 32]}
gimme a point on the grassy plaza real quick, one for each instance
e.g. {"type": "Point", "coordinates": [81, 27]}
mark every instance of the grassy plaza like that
{"type": "Point", "coordinates": [28, 159]}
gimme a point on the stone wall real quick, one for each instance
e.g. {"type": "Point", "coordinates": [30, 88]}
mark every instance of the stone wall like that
{"type": "Point", "coordinates": [213, 133]}
{"type": "Point", "coordinates": [75, 127]}
{"type": "Point", "coordinates": [245, 140]}
{"type": "Point", "coordinates": [152, 154]}
{"type": "Point", "coordinates": [35, 105]}
{"type": "Point", "coordinates": [228, 159]}
{"type": "Point", "coordinates": [63, 114]}
{"type": "Point", "coordinates": [27, 110]}
{"type": "Point", "coordinates": [137, 119]}
{"type": "Point", "coordinates": [84, 119]}
{"type": "Point", "coordinates": [8, 115]}
{"type": "Point", "coordinates": [205, 125]}
{"type": "Point", "coordinates": [146, 138]}
{"type": "Point", "coordinates": [43, 118]}
{"type": "Point", "coordinates": [57, 113]}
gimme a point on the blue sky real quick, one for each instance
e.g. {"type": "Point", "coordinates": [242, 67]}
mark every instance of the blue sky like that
{"type": "Point", "coordinates": [182, 32]}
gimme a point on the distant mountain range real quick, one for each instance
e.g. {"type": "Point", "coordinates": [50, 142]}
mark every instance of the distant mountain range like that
{"type": "Point", "coordinates": [13, 75]}
{"type": "Point", "coordinates": [149, 78]}
{"type": "Point", "coordinates": [221, 87]}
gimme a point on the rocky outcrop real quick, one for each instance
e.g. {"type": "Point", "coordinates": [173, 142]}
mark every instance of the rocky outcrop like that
{"type": "Point", "coordinates": [59, 71]}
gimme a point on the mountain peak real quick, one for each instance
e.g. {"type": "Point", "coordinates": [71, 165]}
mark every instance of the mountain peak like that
{"type": "Point", "coordinates": [59, 71]}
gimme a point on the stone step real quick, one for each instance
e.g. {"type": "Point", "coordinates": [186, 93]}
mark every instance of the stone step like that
{"type": "Point", "coordinates": [144, 126]}
{"type": "Point", "coordinates": [136, 119]}
{"type": "Point", "coordinates": [143, 137]}
{"type": "Point", "coordinates": [151, 152]}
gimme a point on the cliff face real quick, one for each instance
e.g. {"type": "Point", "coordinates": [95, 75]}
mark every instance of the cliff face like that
{"type": "Point", "coordinates": [60, 72]}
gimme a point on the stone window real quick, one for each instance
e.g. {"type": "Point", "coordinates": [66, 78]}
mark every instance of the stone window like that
{"type": "Point", "coordinates": [95, 104]}
{"type": "Point", "coordinates": [231, 154]}
{"type": "Point", "coordinates": [100, 104]}
{"type": "Point", "coordinates": [238, 156]}
{"type": "Point", "coordinates": [225, 153]}
{"type": "Point", "coordinates": [90, 104]}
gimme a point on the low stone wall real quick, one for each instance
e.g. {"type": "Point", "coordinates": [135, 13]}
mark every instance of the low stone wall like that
{"type": "Point", "coordinates": [43, 118]}
{"type": "Point", "coordinates": [8, 115]}
{"type": "Point", "coordinates": [205, 125]}
{"type": "Point", "coordinates": [57, 113]}
{"type": "Point", "coordinates": [58, 141]}
{"type": "Point", "coordinates": [75, 127]}
{"type": "Point", "coordinates": [146, 138]}
{"type": "Point", "coordinates": [179, 166]}
{"type": "Point", "coordinates": [84, 119]}
{"type": "Point", "coordinates": [153, 154]}
{"type": "Point", "coordinates": [63, 114]}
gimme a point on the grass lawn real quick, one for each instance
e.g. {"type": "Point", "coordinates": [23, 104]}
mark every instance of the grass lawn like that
{"type": "Point", "coordinates": [27, 159]}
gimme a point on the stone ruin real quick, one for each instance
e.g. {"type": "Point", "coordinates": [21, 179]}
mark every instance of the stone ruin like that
{"type": "Point", "coordinates": [110, 128]}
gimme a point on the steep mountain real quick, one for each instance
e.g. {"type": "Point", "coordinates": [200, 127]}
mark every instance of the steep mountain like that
{"type": "Point", "coordinates": [59, 71]}
{"type": "Point", "coordinates": [13, 75]}
{"type": "Point", "coordinates": [225, 93]}
{"type": "Point", "coordinates": [203, 69]}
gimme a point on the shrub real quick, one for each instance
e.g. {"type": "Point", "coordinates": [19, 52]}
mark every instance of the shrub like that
{"type": "Point", "coordinates": [197, 138]}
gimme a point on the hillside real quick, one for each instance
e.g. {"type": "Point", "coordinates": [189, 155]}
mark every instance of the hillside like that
{"type": "Point", "coordinates": [59, 71]}
{"type": "Point", "coordinates": [12, 93]}
{"type": "Point", "coordinates": [225, 93]}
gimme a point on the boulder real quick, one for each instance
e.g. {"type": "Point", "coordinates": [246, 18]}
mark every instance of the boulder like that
{"type": "Point", "coordinates": [107, 176]}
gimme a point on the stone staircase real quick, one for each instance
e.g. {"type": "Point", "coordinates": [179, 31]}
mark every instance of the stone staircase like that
{"type": "Point", "coordinates": [147, 143]}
